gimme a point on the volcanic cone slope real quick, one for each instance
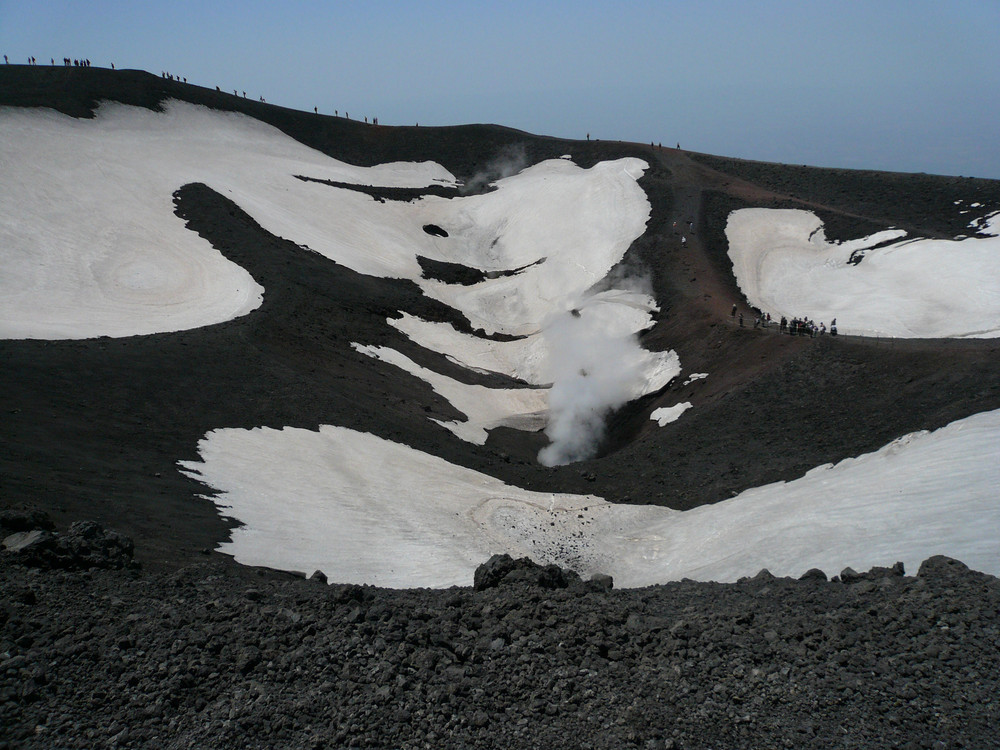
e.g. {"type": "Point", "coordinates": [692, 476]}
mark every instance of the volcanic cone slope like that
{"type": "Point", "coordinates": [309, 342]}
{"type": "Point", "coordinates": [430, 344]}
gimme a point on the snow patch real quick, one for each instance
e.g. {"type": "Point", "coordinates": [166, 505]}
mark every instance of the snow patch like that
{"type": "Point", "coordinates": [913, 289]}
{"type": "Point", "coordinates": [667, 414]}
{"type": "Point", "coordinates": [366, 510]}
{"type": "Point", "coordinates": [92, 246]}
{"type": "Point", "coordinates": [485, 408]}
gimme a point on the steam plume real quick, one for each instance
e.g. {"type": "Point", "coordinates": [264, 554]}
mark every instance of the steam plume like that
{"type": "Point", "coordinates": [595, 368]}
{"type": "Point", "coordinates": [509, 161]}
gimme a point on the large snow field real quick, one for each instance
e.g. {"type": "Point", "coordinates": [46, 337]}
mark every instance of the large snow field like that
{"type": "Point", "coordinates": [366, 510]}
{"type": "Point", "coordinates": [566, 227]}
{"type": "Point", "coordinates": [916, 288]}
{"type": "Point", "coordinates": [92, 247]}
{"type": "Point", "coordinates": [89, 231]}
{"type": "Point", "coordinates": [90, 243]}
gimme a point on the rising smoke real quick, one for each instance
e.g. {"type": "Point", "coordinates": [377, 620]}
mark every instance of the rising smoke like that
{"type": "Point", "coordinates": [510, 160]}
{"type": "Point", "coordinates": [596, 366]}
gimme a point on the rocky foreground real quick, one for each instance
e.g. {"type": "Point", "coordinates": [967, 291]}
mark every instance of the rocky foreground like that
{"type": "Point", "coordinates": [95, 652]}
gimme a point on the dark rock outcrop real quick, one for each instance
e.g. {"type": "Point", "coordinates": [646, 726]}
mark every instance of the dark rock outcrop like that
{"type": "Point", "coordinates": [86, 545]}
{"type": "Point", "coordinates": [24, 518]}
{"type": "Point", "coordinates": [503, 569]}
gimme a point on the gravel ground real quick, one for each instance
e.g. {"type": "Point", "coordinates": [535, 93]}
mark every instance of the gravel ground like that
{"type": "Point", "coordinates": [217, 655]}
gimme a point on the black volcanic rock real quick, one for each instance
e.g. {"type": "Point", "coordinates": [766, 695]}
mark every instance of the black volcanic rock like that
{"type": "Point", "coordinates": [813, 574]}
{"type": "Point", "coordinates": [503, 568]}
{"type": "Point", "coordinates": [86, 545]}
{"type": "Point", "coordinates": [25, 518]}
{"type": "Point", "coordinates": [449, 273]}
{"type": "Point", "coordinates": [435, 231]}
{"type": "Point", "coordinates": [216, 655]}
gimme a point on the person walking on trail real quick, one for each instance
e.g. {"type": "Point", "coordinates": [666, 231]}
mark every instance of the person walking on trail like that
{"type": "Point", "coordinates": [733, 313]}
{"type": "Point", "coordinates": [741, 320]}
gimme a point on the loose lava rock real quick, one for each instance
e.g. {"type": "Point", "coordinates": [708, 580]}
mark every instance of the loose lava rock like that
{"type": "Point", "coordinates": [219, 655]}
{"type": "Point", "coordinates": [85, 545]}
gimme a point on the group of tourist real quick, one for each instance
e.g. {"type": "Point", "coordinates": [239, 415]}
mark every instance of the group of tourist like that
{"type": "Point", "coordinates": [75, 62]}
{"type": "Point", "coordinates": [794, 327]}
{"type": "Point", "coordinates": [85, 63]}
{"type": "Point", "coordinates": [805, 327]}
{"type": "Point", "coordinates": [347, 116]}
{"type": "Point", "coordinates": [236, 92]}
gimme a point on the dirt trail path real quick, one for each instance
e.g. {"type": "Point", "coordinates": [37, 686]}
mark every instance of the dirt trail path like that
{"type": "Point", "coordinates": [699, 324]}
{"type": "Point", "coordinates": [690, 180]}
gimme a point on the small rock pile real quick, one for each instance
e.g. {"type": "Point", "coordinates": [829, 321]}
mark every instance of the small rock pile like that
{"type": "Point", "coordinates": [32, 541]}
{"type": "Point", "coordinates": [218, 655]}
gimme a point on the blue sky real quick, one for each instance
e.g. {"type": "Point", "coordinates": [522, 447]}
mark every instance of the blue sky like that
{"type": "Point", "coordinates": [898, 85]}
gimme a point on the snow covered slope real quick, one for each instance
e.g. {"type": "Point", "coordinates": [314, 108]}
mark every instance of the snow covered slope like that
{"type": "Point", "coordinates": [551, 330]}
{"type": "Point", "coordinates": [91, 244]}
{"type": "Point", "coordinates": [876, 286]}
{"type": "Point", "coordinates": [378, 512]}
